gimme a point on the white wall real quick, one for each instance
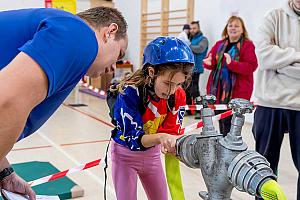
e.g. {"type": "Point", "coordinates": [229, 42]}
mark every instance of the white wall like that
{"type": "Point", "coordinates": [131, 10]}
{"type": "Point", "coordinates": [18, 4]}
{"type": "Point", "coordinates": [213, 14]}
{"type": "Point", "coordinates": [82, 5]}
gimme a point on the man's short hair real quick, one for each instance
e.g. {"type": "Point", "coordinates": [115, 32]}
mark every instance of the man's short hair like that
{"type": "Point", "coordinates": [99, 17]}
{"type": "Point", "coordinates": [196, 22]}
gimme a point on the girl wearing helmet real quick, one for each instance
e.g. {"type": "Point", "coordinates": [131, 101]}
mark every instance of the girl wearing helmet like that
{"type": "Point", "coordinates": [146, 118]}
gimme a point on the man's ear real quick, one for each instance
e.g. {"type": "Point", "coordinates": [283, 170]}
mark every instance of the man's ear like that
{"type": "Point", "coordinates": [151, 72]}
{"type": "Point", "coordinates": [112, 30]}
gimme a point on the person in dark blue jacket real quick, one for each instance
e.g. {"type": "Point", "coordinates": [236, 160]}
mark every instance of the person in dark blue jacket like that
{"type": "Point", "coordinates": [43, 55]}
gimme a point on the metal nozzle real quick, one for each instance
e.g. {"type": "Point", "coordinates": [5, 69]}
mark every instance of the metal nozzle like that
{"type": "Point", "coordinates": [206, 100]}
{"type": "Point", "coordinates": [241, 106]}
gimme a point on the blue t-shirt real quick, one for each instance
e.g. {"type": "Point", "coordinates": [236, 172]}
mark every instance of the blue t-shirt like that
{"type": "Point", "coordinates": [61, 43]}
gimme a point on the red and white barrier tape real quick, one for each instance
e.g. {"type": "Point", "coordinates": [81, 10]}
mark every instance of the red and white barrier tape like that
{"type": "Point", "coordinates": [214, 107]}
{"type": "Point", "coordinates": [187, 107]}
{"type": "Point", "coordinates": [92, 88]}
{"type": "Point", "coordinates": [197, 125]}
{"type": "Point", "coordinates": [67, 172]}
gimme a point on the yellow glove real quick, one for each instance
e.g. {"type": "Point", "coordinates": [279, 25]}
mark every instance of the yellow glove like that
{"type": "Point", "coordinates": [271, 190]}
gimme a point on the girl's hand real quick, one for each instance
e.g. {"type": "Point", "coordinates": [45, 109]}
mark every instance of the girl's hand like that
{"type": "Point", "coordinates": [228, 58]}
{"type": "Point", "coordinates": [208, 60]}
{"type": "Point", "coordinates": [168, 143]}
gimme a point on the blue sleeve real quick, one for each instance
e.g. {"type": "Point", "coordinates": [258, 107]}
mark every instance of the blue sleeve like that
{"type": "Point", "coordinates": [129, 119]}
{"type": "Point", "coordinates": [64, 47]}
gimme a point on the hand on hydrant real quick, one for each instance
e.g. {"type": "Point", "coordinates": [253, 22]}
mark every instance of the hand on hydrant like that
{"type": "Point", "coordinates": [168, 143]}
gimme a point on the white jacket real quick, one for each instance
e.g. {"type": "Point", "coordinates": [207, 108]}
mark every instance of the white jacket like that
{"type": "Point", "coordinates": [184, 37]}
{"type": "Point", "coordinates": [277, 81]}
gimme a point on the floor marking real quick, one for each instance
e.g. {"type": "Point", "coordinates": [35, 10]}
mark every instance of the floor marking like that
{"type": "Point", "coordinates": [63, 152]}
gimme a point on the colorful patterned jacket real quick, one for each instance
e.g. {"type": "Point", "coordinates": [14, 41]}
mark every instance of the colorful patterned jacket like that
{"type": "Point", "coordinates": [132, 124]}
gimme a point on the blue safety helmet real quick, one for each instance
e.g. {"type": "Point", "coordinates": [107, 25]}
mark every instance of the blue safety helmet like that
{"type": "Point", "coordinates": [166, 49]}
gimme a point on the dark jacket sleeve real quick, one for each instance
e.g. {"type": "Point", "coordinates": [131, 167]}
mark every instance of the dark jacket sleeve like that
{"type": "Point", "coordinates": [200, 47]}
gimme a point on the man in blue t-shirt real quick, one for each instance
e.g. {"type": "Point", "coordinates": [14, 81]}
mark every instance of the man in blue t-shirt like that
{"type": "Point", "coordinates": [43, 55]}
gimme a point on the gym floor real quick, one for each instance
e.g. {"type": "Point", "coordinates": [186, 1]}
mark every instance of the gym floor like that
{"type": "Point", "coordinates": [74, 136]}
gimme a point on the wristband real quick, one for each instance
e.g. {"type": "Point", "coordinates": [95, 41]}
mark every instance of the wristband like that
{"type": "Point", "coordinates": [6, 172]}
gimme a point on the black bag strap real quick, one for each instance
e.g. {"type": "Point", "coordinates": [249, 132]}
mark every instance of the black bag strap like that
{"type": "Point", "coordinates": [111, 99]}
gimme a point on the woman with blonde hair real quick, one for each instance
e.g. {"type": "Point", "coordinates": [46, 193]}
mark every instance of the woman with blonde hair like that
{"type": "Point", "coordinates": [232, 61]}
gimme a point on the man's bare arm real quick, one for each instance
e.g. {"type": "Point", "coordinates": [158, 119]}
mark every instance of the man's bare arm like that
{"type": "Point", "coordinates": [23, 85]}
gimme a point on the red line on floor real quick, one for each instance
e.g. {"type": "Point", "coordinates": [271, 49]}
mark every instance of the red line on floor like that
{"type": "Point", "coordinates": [68, 144]}
{"type": "Point", "coordinates": [91, 116]}
{"type": "Point", "coordinates": [29, 148]}
{"type": "Point", "coordinates": [88, 142]}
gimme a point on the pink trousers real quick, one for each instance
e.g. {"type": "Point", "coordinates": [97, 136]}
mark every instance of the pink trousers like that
{"type": "Point", "coordinates": [128, 165]}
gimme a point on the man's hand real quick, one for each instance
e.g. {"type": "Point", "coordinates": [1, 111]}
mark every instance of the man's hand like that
{"type": "Point", "coordinates": [16, 184]}
{"type": "Point", "coordinates": [271, 190]}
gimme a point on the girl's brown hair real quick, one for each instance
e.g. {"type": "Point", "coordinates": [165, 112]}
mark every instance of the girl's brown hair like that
{"type": "Point", "coordinates": [141, 78]}
{"type": "Point", "coordinates": [231, 19]}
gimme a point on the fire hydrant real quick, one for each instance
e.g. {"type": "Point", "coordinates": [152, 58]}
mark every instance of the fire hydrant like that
{"type": "Point", "coordinates": [225, 162]}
